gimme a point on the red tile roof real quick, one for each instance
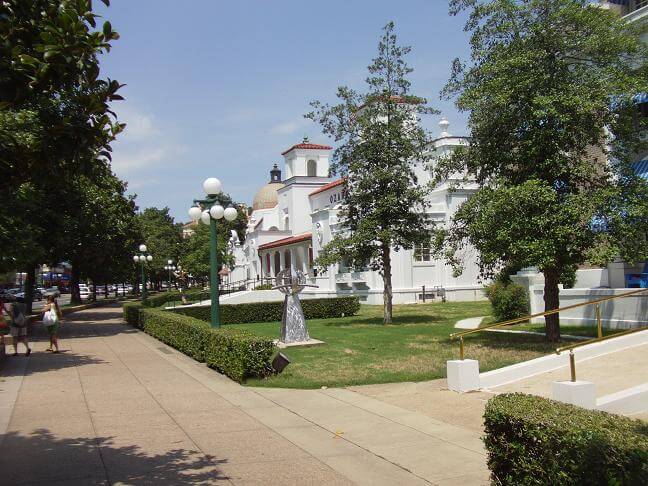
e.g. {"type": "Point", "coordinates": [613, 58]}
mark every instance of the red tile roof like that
{"type": "Point", "coordinates": [328, 186]}
{"type": "Point", "coordinates": [287, 241]}
{"type": "Point", "coordinates": [307, 146]}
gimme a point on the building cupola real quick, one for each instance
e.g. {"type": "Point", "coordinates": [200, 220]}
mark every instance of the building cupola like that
{"type": "Point", "coordinates": [275, 174]}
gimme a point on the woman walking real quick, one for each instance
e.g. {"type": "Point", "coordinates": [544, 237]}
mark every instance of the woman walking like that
{"type": "Point", "coordinates": [51, 320]}
{"type": "Point", "coordinates": [18, 326]}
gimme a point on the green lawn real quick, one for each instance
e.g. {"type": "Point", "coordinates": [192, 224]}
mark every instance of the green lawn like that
{"type": "Point", "coordinates": [361, 350]}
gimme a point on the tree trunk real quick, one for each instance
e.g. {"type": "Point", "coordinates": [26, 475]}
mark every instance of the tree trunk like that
{"type": "Point", "coordinates": [30, 279]}
{"type": "Point", "coordinates": [387, 283]}
{"type": "Point", "coordinates": [552, 301]}
{"type": "Point", "coordinates": [75, 295]}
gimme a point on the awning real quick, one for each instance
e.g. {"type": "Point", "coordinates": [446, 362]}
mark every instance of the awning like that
{"type": "Point", "coordinates": [641, 168]}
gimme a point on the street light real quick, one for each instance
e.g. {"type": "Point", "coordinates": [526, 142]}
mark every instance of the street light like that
{"type": "Point", "coordinates": [170, 267]}
{"type": "Point", "coordinates": [142, 259]}
{"type": "Point", "coordinates": [209, 210]}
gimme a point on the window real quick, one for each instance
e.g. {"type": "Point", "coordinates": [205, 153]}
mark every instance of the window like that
{"type": "Point", "coordinates": [311, 168]}
{"type": "Point", "coordinates": [286, 223]}
{"type": "Point", "coordinates": [422, 253]}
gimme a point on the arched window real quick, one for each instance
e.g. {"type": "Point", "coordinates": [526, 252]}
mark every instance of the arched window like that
{"type": "Point", "coordinates": [273, 228]}
{"type": "Point", "coordinates": [311, 168]}
{"type": "Point", "coordinates": [286, 223]}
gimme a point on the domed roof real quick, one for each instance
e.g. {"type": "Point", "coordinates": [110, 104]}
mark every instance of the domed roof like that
{"type": "Point", "coordinates": [267, 196]}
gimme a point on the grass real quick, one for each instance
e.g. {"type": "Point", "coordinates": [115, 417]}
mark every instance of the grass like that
{"type": "Point", "coordinates": [361, 350]}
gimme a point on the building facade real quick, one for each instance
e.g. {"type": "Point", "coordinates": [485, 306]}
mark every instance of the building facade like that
{"type": "Point", "coordinates": [294, 217]}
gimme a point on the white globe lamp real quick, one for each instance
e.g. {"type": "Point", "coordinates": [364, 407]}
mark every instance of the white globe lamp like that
{"type": "Point", "coordinates": [142, 258]}
{"type": "Point", "coordinates": [149, 258]}
{"type": "Point", "coordinates": [230, 214]}
{"type": "Point", "coordinates": [170, 262]}
{"type": "Point", "coordinates": [135, 258]}
{"type": "Point", "coordinates": [142, 247]}
{"type": "Point", "coordinates": [217, 211]}
{"type": "Point", "coordinates": [204, 217]}
{"type": "Point", "coordinates": [212, 186]}
{"type": "Point", "coordinates": [194, 213]}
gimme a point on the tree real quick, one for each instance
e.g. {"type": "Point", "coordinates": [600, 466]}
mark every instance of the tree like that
{"type": "Point", "coordinates": [54, 117]}
{"type": "Point", "coordinates": [99, 227]}
{"type": "Point", "coordinates": [549, 90]}
{"type": "Point", "coordinates": [163, 238]}
{"type": "Point", "coordinates": [381, 140]}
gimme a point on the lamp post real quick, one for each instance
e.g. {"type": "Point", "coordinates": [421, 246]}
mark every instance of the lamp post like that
{"type": "Point", "coordinates": [170, 267]}
{"type": "Point", "coordinates": [142, 258]}
{"type": "Point", "coordinates": [209, 210]}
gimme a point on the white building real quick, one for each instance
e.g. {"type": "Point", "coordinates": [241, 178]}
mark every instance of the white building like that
{"type": "Point", "coordinates": [294, 217]}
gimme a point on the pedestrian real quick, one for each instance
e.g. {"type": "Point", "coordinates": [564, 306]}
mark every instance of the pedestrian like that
{"type": "Point", "coordinates": [18, 326]}
{"type": "Point", "coordinates": [51, 320]}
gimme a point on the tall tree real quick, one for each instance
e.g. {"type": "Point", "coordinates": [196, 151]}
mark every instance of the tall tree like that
{"type": "Point", "coordinates": [549, 88]}
{"type": "Point", "coordinates": [54, 115]}
{"type": "Point", "coordinates": [380, 143]}
{"type": "Point", "coordinates": [163, 237]}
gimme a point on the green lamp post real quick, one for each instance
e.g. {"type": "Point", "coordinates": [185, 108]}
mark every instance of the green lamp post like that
{"type": "Point", "coordinates": [142, 258]}
{"type": "Point", "coordinates": [209, 211]}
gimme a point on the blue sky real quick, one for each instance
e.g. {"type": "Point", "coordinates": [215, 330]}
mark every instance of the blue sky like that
{"type": "Point", "coordinates": [219, 88]}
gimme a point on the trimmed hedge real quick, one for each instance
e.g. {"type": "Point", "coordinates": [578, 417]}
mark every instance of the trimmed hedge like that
{"type": "Point", "coordinates": [162, 298]}
{"type": "Point", "coordinates": [537, 441]}
{"type": "Point", "coordinates": [235, 353]}
{"type": "Point", "coordinates": [272, 311]}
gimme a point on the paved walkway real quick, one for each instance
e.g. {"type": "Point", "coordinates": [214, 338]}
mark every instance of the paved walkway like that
{"type": "Point", "coordinates": [118, 407]}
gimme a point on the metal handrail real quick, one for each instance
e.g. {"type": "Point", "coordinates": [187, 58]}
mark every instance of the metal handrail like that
{"type": "Point", "coordinates": [571, 347]}
{"type": "Point", "coordinates": [518, 320]}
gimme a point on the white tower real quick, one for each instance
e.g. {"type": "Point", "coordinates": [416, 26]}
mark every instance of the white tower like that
{"type": "Point", "coordinates": [307, 159]}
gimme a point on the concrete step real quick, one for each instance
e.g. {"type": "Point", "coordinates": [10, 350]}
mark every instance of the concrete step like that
{"type": "Point", "coordinates": [630, 401]}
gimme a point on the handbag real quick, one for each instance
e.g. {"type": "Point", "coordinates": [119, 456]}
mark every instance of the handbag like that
{"type": "Point", "coordinates": [19, 319]}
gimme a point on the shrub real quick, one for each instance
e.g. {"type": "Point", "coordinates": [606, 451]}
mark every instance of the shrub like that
{"type": "Point", "coordinates": [235, 353]}
{"type": "Point", "coordinates": [272, 311]}
{"type": "Point", "coordinates": [238, 353]}
{"type": "Point", "coordinates": [536, 441]}
{"type": "Point", "coordinates": [509, 300]}
{"type": "Point", "coordinates": [263, 287]}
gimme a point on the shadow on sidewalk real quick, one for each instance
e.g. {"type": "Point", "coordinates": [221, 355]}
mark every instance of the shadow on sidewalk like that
{"type": "Point", "coordinates": [42, 457]}
{"type": "Point", "coordinates": [40, 362]}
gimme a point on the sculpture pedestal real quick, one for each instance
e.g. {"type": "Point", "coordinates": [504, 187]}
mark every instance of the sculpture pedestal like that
{"type": "Point", "coordinates": [311, 342]}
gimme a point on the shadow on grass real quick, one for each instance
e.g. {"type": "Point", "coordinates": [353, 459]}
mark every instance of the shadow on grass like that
{"type": "Point", "coordinates": [378, 321]}
{"type": "Point", "coordinates": [41, 457]}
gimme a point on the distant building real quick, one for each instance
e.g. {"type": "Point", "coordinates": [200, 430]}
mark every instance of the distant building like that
{"type": "Point", "coordinates": [294, 217]}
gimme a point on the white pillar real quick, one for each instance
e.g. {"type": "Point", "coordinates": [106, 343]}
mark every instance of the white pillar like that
{"type": "Point", "coordinates": [282, 260]}
{"type": "Point", "coordinates": [272, 264]}
{"type": "Point", "coordinates": [304, 259]}
{"type": "Point", "coordinates": [293, 263]}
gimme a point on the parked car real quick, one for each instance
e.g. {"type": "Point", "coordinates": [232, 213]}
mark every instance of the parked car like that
{"type": "Point", "coordinates": [7, 296]}
{"type": "Point", "coordinates": [36, 296]}
{"type": "Point", "coordinates": [84, 292]}
{"type": "Point", "coordinates": [54, 290]}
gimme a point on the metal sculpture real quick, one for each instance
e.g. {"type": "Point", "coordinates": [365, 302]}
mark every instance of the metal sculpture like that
{"type": "Point", "coordinates": [293, 323]}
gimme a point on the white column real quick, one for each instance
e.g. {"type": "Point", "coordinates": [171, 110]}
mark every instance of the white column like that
{"type": "Point", "coordinates": [293, 263]}
{"type": "Point", "coordinates": [282, 260]}
{"type": "Point", "coordinates": [272, 264]}
{"type": "Point", "coordinates": [304, 259]}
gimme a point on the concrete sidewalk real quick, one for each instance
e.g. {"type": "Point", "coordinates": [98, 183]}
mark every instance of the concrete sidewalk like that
{"type": "Point", "coordinates": [119, 407]}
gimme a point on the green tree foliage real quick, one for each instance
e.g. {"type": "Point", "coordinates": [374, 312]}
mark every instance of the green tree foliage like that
{"type": "Point", "coordinates": [549, 90]}
{"type": "Point", "coordinates": [381, 140]}
{"type": "Point", "coordinates": [55, 119]}
{"type": "Point", "coordinates": [163, 238]}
